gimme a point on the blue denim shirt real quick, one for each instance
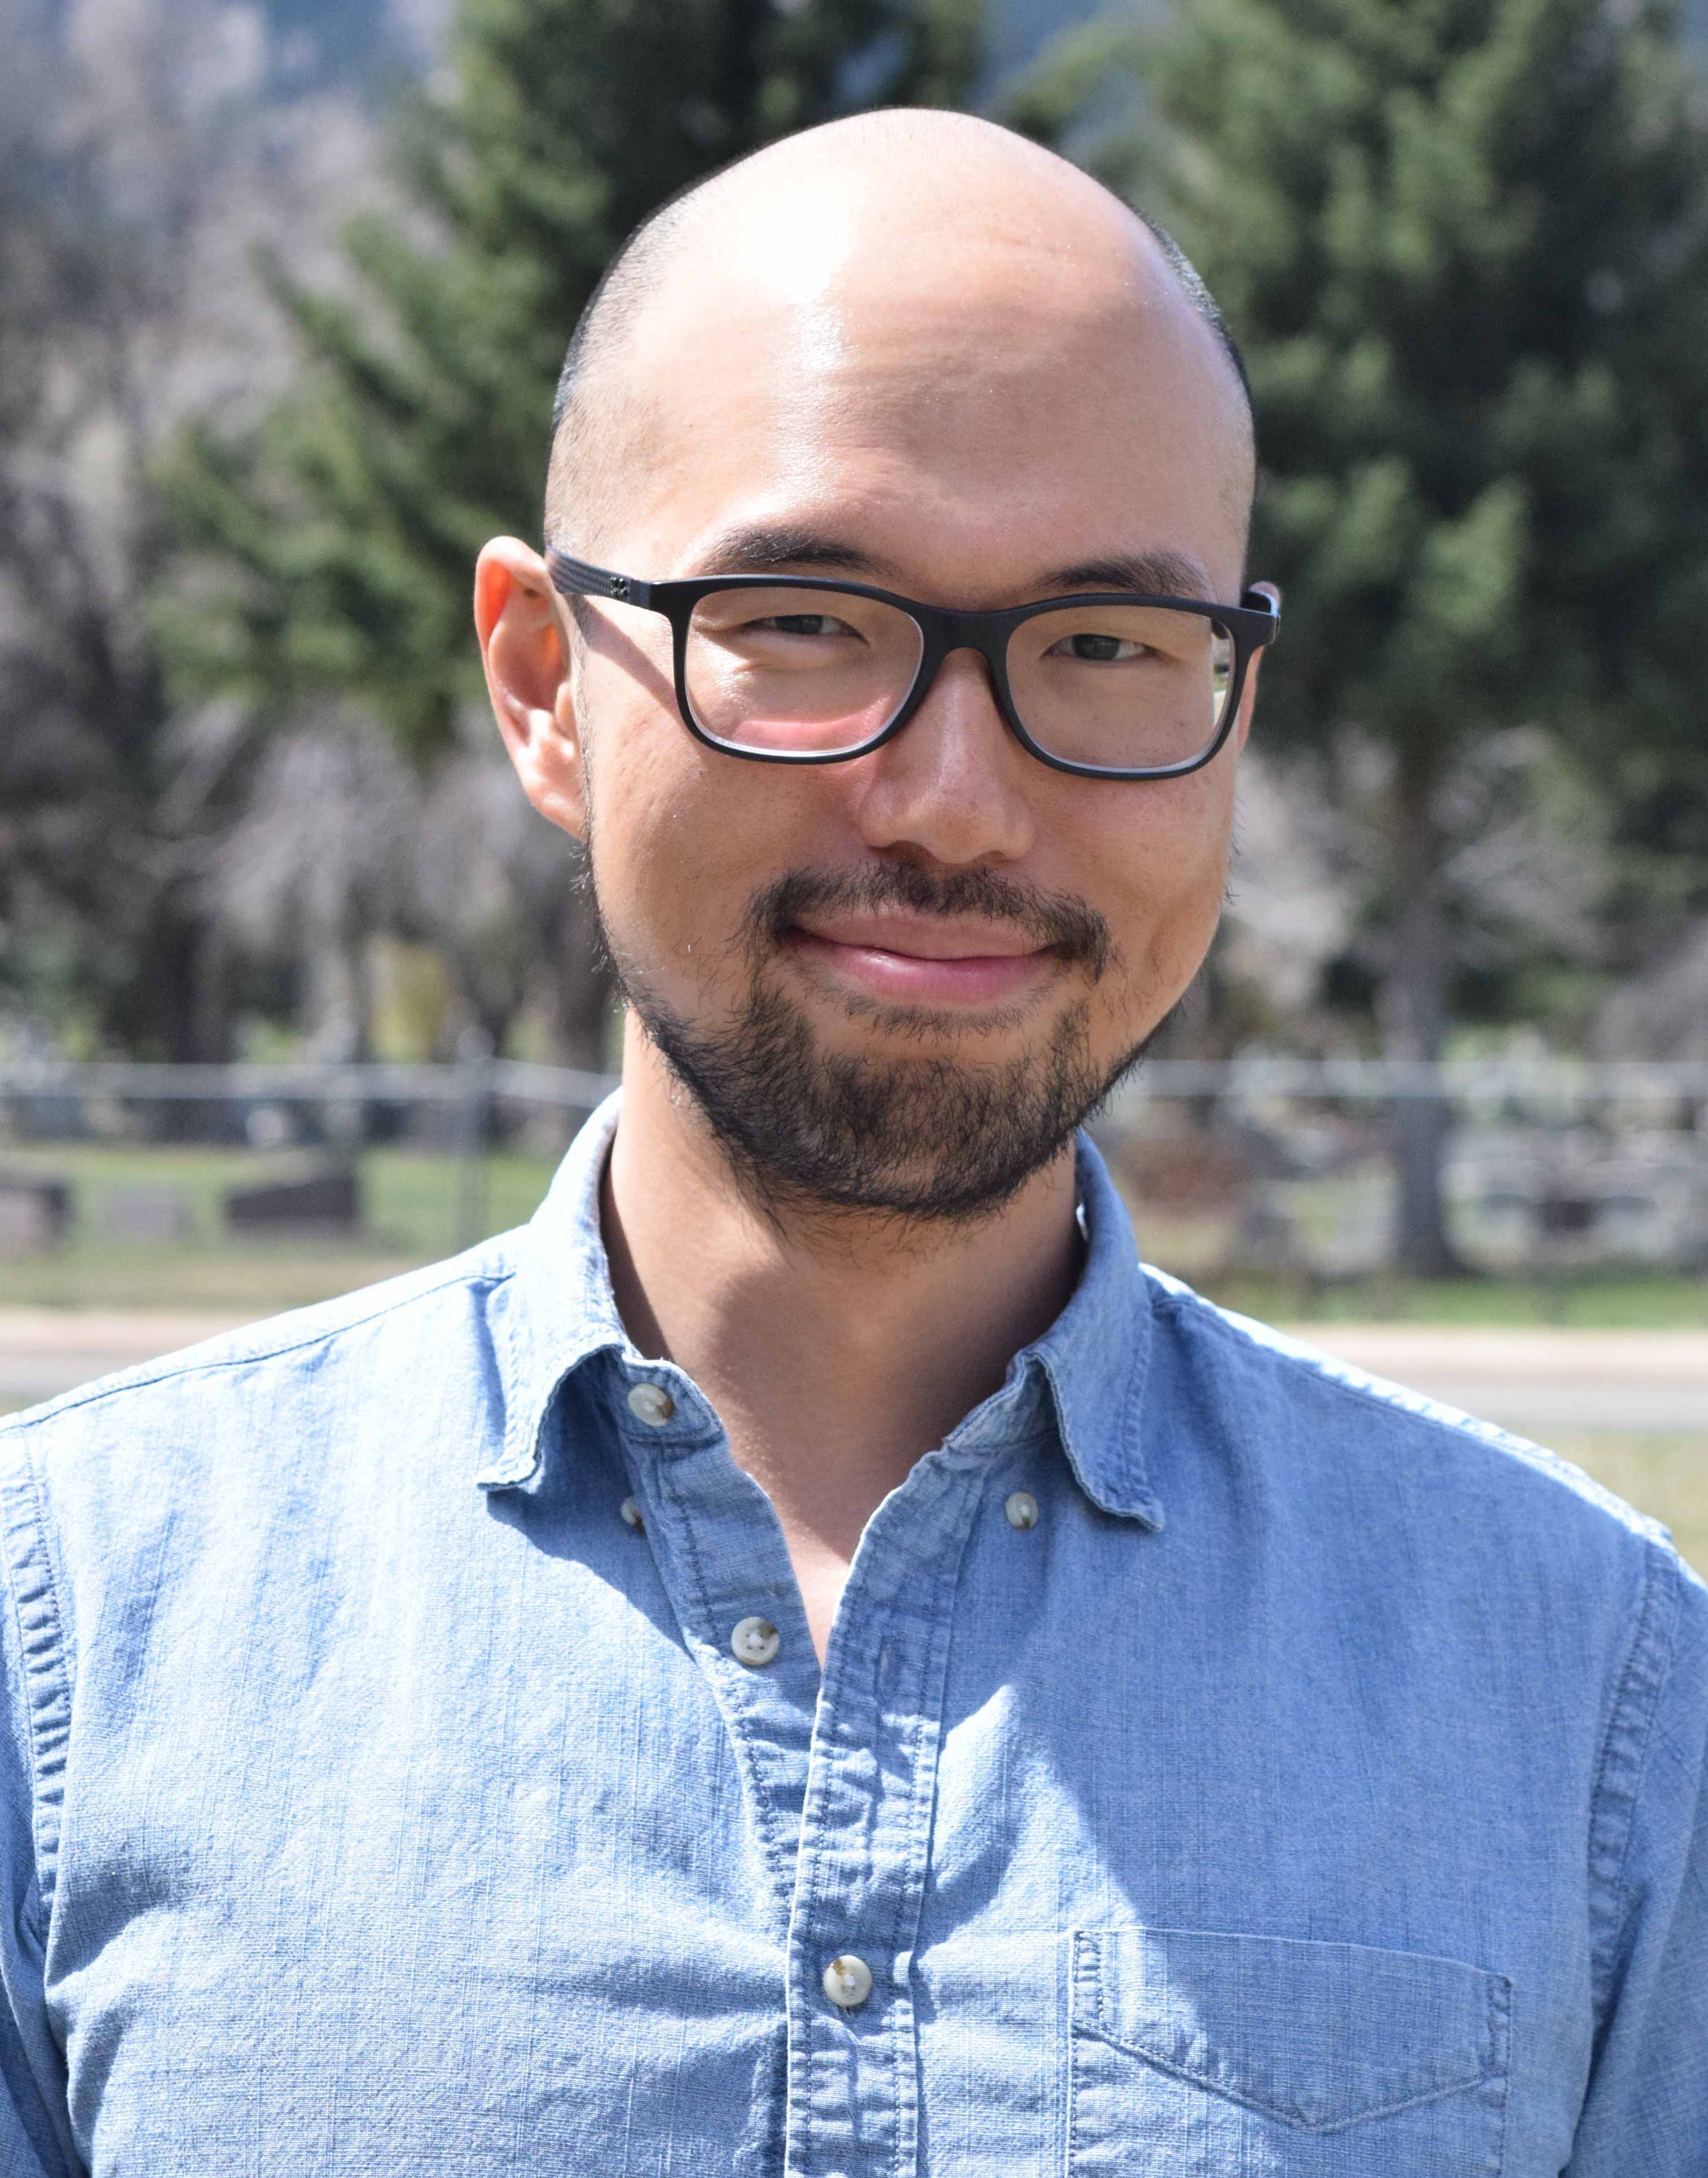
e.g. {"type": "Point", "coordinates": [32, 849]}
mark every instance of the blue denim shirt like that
{"type": "Point", "coordinates": [1316, 1784]}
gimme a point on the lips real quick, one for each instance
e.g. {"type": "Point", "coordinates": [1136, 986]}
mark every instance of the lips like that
{"type": "Point", "coordinates": [900, 959]}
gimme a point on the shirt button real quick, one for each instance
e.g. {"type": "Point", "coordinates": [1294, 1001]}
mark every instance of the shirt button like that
{"type": "Point", "coordinates": [754, 1642]}
{"type": "Point", "coordinates": [652, 1404]}
{"type": "Point", "coordinates": [848, 1981]}
{"type": "Point", "coordinates": [1021, 1509]}
{"type": "Point", "coordinates": [632, 1512]}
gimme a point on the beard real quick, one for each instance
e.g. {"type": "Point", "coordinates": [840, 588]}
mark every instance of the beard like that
{"type": "Point", "coordinates": [924, 1138]}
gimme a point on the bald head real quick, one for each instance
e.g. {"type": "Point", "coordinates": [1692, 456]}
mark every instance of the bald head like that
{"type": "Point", "coordinates": [910, 228]}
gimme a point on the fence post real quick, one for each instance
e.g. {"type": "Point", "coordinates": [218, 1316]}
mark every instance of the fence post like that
{"type": "Point", "coordinates": [475, 1059]}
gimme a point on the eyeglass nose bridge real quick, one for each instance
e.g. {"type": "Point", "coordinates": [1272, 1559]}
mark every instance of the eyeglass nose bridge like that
{"type": "Point", "coordinates": [944, 632]}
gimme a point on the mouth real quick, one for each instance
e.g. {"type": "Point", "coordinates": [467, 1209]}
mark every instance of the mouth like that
{"type": "Point", "coordinates": [926, 960]}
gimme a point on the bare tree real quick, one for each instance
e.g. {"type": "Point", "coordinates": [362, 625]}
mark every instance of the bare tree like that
{"type": "Point", "coordinates": [132, 183]}
{"type": "Point", "coordinates": [498, 892]}
{"type": "Point", "coordinates": [319, 862]}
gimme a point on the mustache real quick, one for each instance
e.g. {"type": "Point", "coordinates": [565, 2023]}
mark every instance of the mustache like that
{"type": "Point", "coordinates": [1070, 928]}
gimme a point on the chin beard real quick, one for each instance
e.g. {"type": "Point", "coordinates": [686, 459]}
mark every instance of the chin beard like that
{"type": "Point", "coordinates": [916, 1138]}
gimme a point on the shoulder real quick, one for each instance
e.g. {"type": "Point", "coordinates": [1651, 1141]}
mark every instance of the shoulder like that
{"type": "Point", "coordinates": [403, 1309]}
{"type": "Point", "coordinates": [1447, 1555]}
{"type": "Point", "coordinates": [1370, 1465]}
{"type": "Point", "coordinates": [262, 1410]}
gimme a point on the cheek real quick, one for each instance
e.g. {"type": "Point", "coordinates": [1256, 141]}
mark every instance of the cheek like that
{"type": "Point", "coordinates": [678, 848]}
{"type": "Point", "coordinates": [1167, 852]}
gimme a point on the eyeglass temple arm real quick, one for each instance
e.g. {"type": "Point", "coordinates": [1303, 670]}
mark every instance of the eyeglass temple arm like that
{"type": "Point", "coordinates": [1254, 601]}
{"type": "Point", "coordinates": [572, 577]}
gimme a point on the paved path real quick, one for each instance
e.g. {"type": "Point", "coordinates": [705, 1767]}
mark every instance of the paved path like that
{"type": "Point", "coordinates": [1540, 1381]}
{"type": "Point", "coordinates": [47, 1350]}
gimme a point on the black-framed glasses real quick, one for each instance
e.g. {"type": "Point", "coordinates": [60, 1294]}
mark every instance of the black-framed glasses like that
{"type": "Point", "coordinates": [803, 669]}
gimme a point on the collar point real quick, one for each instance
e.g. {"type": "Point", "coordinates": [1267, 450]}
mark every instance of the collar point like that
{"type": "Point", "coordinates": [1122, 1504]}
{"type": "Point", "coordinates": [508, 1473]}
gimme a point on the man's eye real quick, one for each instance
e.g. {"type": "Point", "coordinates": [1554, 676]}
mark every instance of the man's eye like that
{"type": "Point", "coordinates": [802, 624]}
{"type": "Point", "coordinates": [1097, 649]}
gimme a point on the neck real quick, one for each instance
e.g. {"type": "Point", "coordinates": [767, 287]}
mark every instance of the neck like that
{"type": "Point", "coordinates": [836, 1348]}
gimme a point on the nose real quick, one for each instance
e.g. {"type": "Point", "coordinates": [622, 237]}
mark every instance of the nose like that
{"type": "Point", "coordinates": [952, 786]}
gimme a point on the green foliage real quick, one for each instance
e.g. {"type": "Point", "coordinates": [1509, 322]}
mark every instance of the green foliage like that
{"type": "Point", "coordinates": [342, 531]}
{"type": "Point", "coordinates": [1464, 245]}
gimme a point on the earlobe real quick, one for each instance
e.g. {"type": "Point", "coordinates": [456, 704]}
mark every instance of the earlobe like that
{"type": "Point", "coordinates": [1248, 700]}
{"type": "Point", "coordinates": [1248, 695]}
{"type": "Point", "coordinates": [525, 654]}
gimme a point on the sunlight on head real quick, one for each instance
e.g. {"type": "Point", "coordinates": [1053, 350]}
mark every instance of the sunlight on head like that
{"type": "Point", "coordinates": [920, 266]}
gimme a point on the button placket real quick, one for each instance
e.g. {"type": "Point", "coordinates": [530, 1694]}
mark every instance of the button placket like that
{"type": "Point", "coordinates": [651, 1404]}
{"type": "Point", "coordinates": [847, 1981]}
{"type": "Point", "coordinates": [865, 1836]}
{"type": "Point", "coordinates": [754, 1642]}
{"type": "Point", "coordinates": [720, 1554]}
{"type": "Point", "coordinates": [1020, 1509]}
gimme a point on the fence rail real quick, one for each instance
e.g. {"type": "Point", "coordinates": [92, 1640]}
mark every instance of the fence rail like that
{"type": "Point", "coordinates": [1380, 1080]}
{"type": "Point", "coordinates": [1262, 1163]}
{"type": "Point", "coordinates": [296, 1082]}
{"type": "Point", "coordinates": [1456, 1081]}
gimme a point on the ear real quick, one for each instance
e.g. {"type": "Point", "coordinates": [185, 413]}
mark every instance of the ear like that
{"type": "Point", "coordinates": [1248, 694]}
{"type": "Point", "coordinates": [524, 649]}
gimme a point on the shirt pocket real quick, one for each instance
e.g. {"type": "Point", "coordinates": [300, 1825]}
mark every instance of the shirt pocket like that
{"type": "Point", "coordinates": [1197, 2054]}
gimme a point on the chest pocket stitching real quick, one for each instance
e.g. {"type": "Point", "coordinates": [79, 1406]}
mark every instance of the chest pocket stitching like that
{"type": "Point", "coordinates": [1091, 2022]}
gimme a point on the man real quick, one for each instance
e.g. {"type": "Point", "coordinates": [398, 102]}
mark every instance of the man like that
{"type": "Point", "coordinates": [807, 1660]}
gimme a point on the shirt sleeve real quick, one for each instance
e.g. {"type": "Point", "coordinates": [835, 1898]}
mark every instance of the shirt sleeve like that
{"type": "Point", "coordinates": [1647, 2112]}
{"type": "Point", "coordinates": [35, 2134]}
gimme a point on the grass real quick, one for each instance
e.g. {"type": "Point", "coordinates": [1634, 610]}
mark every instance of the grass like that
{"type": "Point", "coordinates": [1584, 1301]}
{"type": "Point", "coordinates": [1664, 1476]}
{"type": "Point", "coordinates": [416, 1206]}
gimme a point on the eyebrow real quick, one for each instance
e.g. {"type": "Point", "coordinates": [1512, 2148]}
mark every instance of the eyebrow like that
{"type": "Point", "coordinates": [1165, 573]}
{"type": "Point", "coordinates": [764, 549]}
{"type": "Point", "coordinates": [760, 551]}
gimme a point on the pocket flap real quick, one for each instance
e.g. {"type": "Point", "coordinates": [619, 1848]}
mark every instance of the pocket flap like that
{"type": "Point", "coordinates": [1314, 2034]}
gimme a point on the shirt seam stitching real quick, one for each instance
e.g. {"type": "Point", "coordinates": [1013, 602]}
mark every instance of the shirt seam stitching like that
{"type": "Point", "coordinates": [1138, 1379]}
{"type": "Point", "coordinates": [927, 1724]}
{"type": "Point", "coordinates": [814, 1842]}
{"type": "Point", "coordinates": [1622, 1765]}
{"type": "Point", "coordinates": [1085, 1976]}
{"type": "Point", "coordinates": [39, 1621]}
{"type": "Point", "coordinates": [1487, 2076]}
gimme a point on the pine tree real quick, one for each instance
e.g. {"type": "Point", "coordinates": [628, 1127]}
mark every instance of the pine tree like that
{"type": "Point", "coordinates": [337, 538]}
{"type": "Point", "coordinates": [1464, 245]}
{"type": "Point", "coordinates": [345, 528]}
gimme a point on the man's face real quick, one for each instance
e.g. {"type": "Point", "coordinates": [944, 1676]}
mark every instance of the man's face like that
{"type": "Point", "coordinates": [898, 983]}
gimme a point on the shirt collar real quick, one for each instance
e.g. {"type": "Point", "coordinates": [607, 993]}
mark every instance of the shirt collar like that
{"type": "Point", "coordinates": [560, 1311]}
{"type": "Point", "coordinates": [1096, 1356]}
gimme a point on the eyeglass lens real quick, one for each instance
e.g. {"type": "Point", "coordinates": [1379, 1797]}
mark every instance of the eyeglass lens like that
{"type": "Point", "coordinates": [800, 672]}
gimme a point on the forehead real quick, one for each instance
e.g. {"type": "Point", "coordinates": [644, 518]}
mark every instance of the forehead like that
{"type": "Point", "coordinates": [985, 393]}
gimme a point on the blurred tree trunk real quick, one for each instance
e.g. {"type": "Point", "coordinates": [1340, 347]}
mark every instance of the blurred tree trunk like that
{"type": "Point", "coordinates": [339, 1000]}
{"type": "Point", "coordinates": [1415, 1012]}
{"type": "Point", "coordinates": [189, 1016]}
